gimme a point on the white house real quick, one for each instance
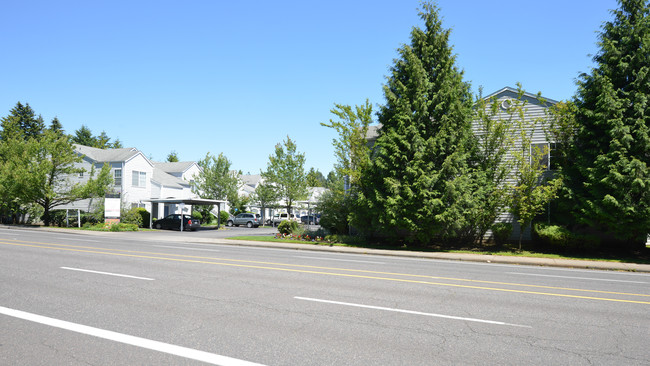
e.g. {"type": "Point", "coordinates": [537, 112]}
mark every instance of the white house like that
{"type": "Point", "coordinates": [137, 179]}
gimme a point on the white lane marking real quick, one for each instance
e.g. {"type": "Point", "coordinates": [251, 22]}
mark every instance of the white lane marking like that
{"type": "Point", "coordinates": [107, 273]}
{"type": "Point", "coordinates": [411, 312]}
{"type": "Point", "coordinates": [201, 249]}
{"type": "Point", "coordinates": [572, 277]}
{"type": "Point", "coordinates": [338, 260]}
{"type": "Point", "coordinates": [129, 339]}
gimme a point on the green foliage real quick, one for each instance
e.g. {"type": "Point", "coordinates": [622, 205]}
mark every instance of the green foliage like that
{"type": "Point", "coordinates": [608, 173]}
{"type": "Point", "coordinates": [534, 188]}
{"type": "Point", "coordinates": [22, 123]}
{"type": "Point", "coordinates": [315, 178]}
{"type": "Point", "coordinates": [286, 172]}
{"type": "Point", "coordinates": [288, 227]}
{"type": "Point", "coordinates": [335, 209]}
{"type": "Point", "coordinates": [56, 126]}
{"type": "Point", "coordinates": [419, 185]}
{"type": "Point", "coordinates": [560, 238]}
{"type": "Point", "coordinates": [172, 157]}
{"type": "Point", "coordinates": [224, 216]}
{"type": "Point", "coordinates": [265, 196]}
{"type": "Point", "coordinates": [145, 217]}
{"type": "Point", "coordinates": [238, 203]}
{"type": "Point", "coordinates": [490, 166]}
{"type": "Point", "coordinates": [216, 180]}
{"type": "Point", "coordinates": [57, 217]}
{"type": "Point", "coordinates": [501, 232]}
{"type": "Point", "coordinates": [40, 170]}
{"type": "Point", "coordinates": [84, 136]}
{"type": "Point", "coordinates": [197, 215]}
{"type": "Point", "coordinates": [131, 216]}
{"type": "Point", "coordinates": [351, 148]}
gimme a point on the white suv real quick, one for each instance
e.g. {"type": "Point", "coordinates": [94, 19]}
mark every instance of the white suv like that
{"type": "Point", "coordinates": [278, 218]}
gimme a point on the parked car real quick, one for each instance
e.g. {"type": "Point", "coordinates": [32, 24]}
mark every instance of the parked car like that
{"type": "Point", "coordinates": [310, 220]}
{"type": "Point", "coordinates": [173, 222]}
{"type": "Point", "coordinates": [278, 218]}
{"type": "Point", "coordinates": [248, 219]}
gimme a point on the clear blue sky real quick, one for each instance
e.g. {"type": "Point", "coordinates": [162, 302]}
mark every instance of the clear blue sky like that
{"type": "Point", "coordinates": [239, 76]}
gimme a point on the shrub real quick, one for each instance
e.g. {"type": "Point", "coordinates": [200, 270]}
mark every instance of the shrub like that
{"type": "Point", "coordinates": [335, 208]}
{"type": "Point", "coordinates": [288, 227]}
{"type": "Point", "coordinates": [501, 232]}
{"type": "Point", "coordinates": [132, 216]}
{"type": "Point", "coordinates": [552, 235]}
{"type": "Point", "coordinates": [123, 227]}
{"type": "Point", "coordinates": [57, 217]}
{"type": "Point", "coordinates": [224, 216]}
{"type": "Point", "coordinates": [145, 215]}
{"type": "Point", "coordinates": [558, 237]}
{"type": "Point", "coordinates": [197, 215]}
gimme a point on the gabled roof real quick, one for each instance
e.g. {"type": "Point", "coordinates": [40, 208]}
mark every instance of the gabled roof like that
{"type": "Point", "coordinates": [175, 167]}
{"type": "Point", "coordinates": [510, 90]}
{"type": "Point", "coordinates": [168, 180]}
{"type": "Point", "coordinates": [252, 180]}
{"type": "Point", "coordinates": [108, 155]}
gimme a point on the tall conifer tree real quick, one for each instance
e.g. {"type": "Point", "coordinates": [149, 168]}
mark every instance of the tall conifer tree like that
{"type": "Point", "coordinates": [418, 184]}
{"type": "Point", "coordinates": [608, 177]}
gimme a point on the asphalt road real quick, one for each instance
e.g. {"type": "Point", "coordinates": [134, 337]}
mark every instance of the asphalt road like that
{"type": "Point", "coordinates": [76, 299]}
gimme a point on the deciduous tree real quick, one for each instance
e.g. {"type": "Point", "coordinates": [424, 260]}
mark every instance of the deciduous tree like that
{"type": "Point", "coordinates": [286, 172]}
{"type": "Point", "coordinates": [216, 180]}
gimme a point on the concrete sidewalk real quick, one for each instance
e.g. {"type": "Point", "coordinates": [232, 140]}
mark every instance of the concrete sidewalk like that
{"type": "Point", "coordinates": [190, 238]}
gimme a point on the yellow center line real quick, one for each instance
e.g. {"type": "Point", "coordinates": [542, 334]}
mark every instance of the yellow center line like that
{"type": "Point", "coordinates": [266, 265]}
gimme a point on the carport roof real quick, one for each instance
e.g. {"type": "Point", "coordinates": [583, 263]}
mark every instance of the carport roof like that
{"type": "Point", "coordinates": [187, 201]}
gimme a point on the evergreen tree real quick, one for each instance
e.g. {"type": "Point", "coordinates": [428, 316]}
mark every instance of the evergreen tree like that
{"type": "Point", "coordinates": [23, 118]}
{"type": "Point", "coordinates": [608, 176]}
{"type": "Point", "coordinates": [56, 126]}
{"type": "Point", "coordinates": [11, 129]}
{"type": "Point", "coordinates": [172, 157]}
{"type": "Point", "coordinates": [103, 141]}
{"type": "Point", "coordinates": [315, 178]}
{"type": "Point", "coordinates": [84, 136]}
{"type": "Point", "coordinates": [418, 186]}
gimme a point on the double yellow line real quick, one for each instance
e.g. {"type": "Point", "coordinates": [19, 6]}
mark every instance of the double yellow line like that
{"type": "Point", "coordinates": [344, 272]}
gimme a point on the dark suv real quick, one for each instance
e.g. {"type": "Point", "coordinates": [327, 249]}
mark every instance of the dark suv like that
{"type": "Point", "coordinates": [248, 219]}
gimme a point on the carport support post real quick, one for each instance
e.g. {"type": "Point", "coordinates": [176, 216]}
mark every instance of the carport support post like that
{"type": "Point", "coordinates": [182, 206]}
{"type": "Point", "coordinates": [218, 215]}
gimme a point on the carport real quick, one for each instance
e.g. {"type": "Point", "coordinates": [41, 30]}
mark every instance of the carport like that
{"type": "Point", "coordinates": [187, 201]}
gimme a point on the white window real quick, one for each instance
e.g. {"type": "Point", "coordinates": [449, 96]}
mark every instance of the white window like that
{"type": "Point", "coordinates": [117, 177]}
{"type": "Point", "coordinates": [139, 179]}
{"type": "Point", "coordinates": [545, 153]}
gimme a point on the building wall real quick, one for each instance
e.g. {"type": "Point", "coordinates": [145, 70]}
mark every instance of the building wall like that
{"type": "Point", "coordinates": [536, 123]}
{"type": "Point", "coordinates": [134, 195]}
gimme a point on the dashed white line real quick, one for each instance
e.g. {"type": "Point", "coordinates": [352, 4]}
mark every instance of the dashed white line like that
{"type": "Point", "coordinates": [171, 349]}
{"type": "Point", "coordinates": [572, 277]}
{"type": "Point", "coordinates": [107, 273]}
{"type": "Point", "coordinates": [411, 312]}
